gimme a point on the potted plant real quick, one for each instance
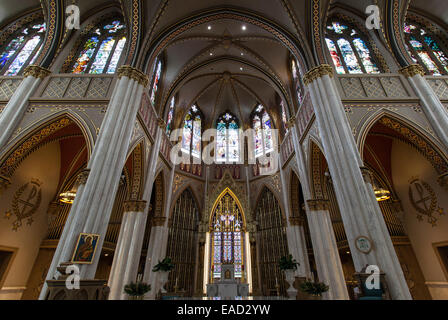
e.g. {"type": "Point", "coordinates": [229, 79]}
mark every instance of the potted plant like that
{"type": "Point", "coordinates": [164, 267]}
{"type": "Point", "coordinates": [289, 265]}
{"type": "Point", "coordinates": [314, 289]}
{"type": "Point", "coordinates": [136, 290]}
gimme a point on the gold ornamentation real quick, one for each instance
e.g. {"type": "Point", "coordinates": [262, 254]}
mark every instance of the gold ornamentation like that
{"type": "Point", "coordinates": [424, 200]}
{"type": "Point", "coordinates": [412, 70]}
{"type": "Point", "coordinates": [318, 204]}
{"type": "Point", "coordinates": [295, 221]}
{"type": "Point", "coordinates": [82, 177]}
{"type": "Point", "coordinates": [25, 207]}
{"type": "Point", "coordinates": [161, 123]}
{"type": "Point", "coordinates": [318, 72]}
{"type": "Point", "coordinates": [134, 74]}
{"type": "Point", "coordinates": [158, 221]}
{"type": "Point", "coordinates": [291, 122]}
{"type": "Point", "coordinates": [134, 206]}
{"type": "Point", "coordinates": [36, 72]}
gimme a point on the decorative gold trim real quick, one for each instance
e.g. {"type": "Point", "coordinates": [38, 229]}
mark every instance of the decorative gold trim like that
{"type": "Point", "coordinates": [158, 221]}
{"type": "Point", "coordinates": [134, 74]}
{"type": "Point", "coordinates": [36, 72]}
{"type": "Point", "coordinates": [134, 206]}
{"type": "Point", "coordinates": [318, 204]}
{"type": "Point", "coordinates": [318, 72]}
{"type": "Point", "coordinates": [291, 122]}
{"type": "Point", "coordinates": [295, 221]}
{"type": "Point", "coordinates": [412, 70]}
{"type": "Point", "coordinates": [82, 177]}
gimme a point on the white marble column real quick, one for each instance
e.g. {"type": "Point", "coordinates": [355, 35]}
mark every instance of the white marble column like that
{"type": "Point", "coordinates": [294, 232]}
{"type": "Point", "coordinates": [127, 253]}
{"type": "Point", "coordinates": [15, 108]}
{"type": "Point", "coordinates": [92, 207]}
{"type": "Point", "coordinates": [359, 209]}
{"type": "Point", "coordinates": [433, 108]}
{"type": "Point", "coordinates": [158, 241]}
{"type": "Point", "coordinates": [328, 262]}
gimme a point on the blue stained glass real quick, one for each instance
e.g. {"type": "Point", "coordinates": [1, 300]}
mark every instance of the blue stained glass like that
{"type": "Point", "coordinates": [337, 27]}
{"type": "Point", "coordinates": [114, 26]}
{"type": "Point", "coordinates": [187, 133]}
{"type": "Point", "coordinates": [155, 84]}
{"type": "Point", "coordinates": [334, 55]}
{"type": "Point", "coordinates": [23, 56]}
{"type": "Point", "coordinates": [170, 116]}
{"type": "Point", "coordinates": [116, 56]}
{"type": "Point", "coordinates": [102, 56]}
{"type": "Point", "coordinates": [11, 50]}
{"type": "Point", "coordinates": [349, 56]}
{"type": "Point", "coordinates": [364, 54]}
{"type": "Point", "coordinates": [437, 51]}
{"type": "Point", "coordinates": [196, 148]}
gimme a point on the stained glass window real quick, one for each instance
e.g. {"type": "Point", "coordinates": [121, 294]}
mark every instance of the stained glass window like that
{"type": "Point", "coordinates": [425, 49]}
{"type": "Point", "coordinates": [227, 140]}
{"type": "Point", "coordinates": [155, 82]}
{"type": "Point", "coordinates": [22, 49]}
{"type": "Point", "coordinates": [102, 48]}
{"type": "Point", "coordinates": [349, 50]}
{"type": "Point", "coordinates": [169, 119]}
{"type": "Point", "coordinates": [297, 81]}
{"type": "Point", "coordinates": [284, 119]}
{"type": "Point", "coordinates": [262, 125]}
{"type": "Point", "coordinates": [227, 236]}
{"type": "Point", "coordinates": [191, 134]}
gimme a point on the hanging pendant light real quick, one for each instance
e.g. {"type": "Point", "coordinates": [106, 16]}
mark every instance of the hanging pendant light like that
{"type": "Point", "coordinates": [381, 194]}
{"type": "Point", "coordinates": [67, 197]}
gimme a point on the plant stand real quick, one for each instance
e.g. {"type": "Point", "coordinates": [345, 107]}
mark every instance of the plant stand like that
{"type": "Point", "coordinates": [290, 278]}
{"type": "Point", "coordinates": [163, 278]}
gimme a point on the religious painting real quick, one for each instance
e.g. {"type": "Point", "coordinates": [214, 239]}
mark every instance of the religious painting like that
{"type": "Point", "coordinates": [85, 248]}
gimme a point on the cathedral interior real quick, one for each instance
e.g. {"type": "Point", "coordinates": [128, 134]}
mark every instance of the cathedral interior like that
{"type": "Point", "coordinates": [223, 133]}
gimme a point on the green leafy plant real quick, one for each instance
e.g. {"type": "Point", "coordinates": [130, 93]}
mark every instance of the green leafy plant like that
{"type": "Point", "coordinates": [137, 289]}
{"type": "Point", "coordinates": [313, 288]}
{"type": "Point", "coordinates": [288, 263]}
{"type": "Point", "coordinates": [165, 265]}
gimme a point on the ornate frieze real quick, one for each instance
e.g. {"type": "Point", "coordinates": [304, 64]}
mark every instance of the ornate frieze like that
{"type": "Point", "coordinates": [36, 72]}
{"type": "Point", "coordinates": [134, 206]}
{"type": "Point", "coordinates": [296, 221]}
{"type": "Point", "coordinates": [318, 204]}
{"type": "Point", "coordinates": [412, 70]}
{"type": "Point", "coordinates": [318, 72]}
{"type": "Point", "coordinates": [134, 74]}
{"type": "Point", "coordinates": [158, 221]}
{"type": "Point", "coordinates": [161, 123]}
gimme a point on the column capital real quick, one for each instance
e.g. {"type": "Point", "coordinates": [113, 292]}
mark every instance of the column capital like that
{"type": "Point", "coordinates": [82, 177]}
{"type": "Point", "coordinates": [318, 204]}
{"type": "Point", "coordinates": [318, 72]}
{"type": "Point", "coordinates": [367, 175]}
{"type": "Point", "coordinates": [158, 221]}
{"type": "Point", "coordinates": [412, 70]}
{"type": "Point", "coordinates": [443, 180]}
{"type": "Point", "coordinates": [134, 206]}
{"type": "Point", "coordinates": [296, 221]}
{"type": "Point", "coordinates": [134, 74]}
{"type": "Point", "coordinates": [36, 72]}
{"type": "Point", "coordinates": [161, 123]}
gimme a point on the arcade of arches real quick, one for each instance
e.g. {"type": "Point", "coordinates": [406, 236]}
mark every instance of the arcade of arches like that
{"type": "Point", "coordinates": [329, 143]}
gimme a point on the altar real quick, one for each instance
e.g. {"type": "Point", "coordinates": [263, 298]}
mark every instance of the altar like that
{"type": "Point", "coordinates": [227, 287]}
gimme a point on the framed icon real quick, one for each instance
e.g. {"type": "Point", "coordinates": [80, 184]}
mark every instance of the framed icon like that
{"type": "Point", "coordinates": [363, 244]}
{"type": "Point", "coordinates": [85, 248]}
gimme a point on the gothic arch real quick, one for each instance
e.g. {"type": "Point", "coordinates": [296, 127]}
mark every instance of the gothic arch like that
{"type": "Point", "coordinates": [409, 133]}
{"type": "Point", "coordinates": [276, 196]}
{"type": "Point", "coordinates": [36, 136]}
{"type": "Point", "coordinates": [225, 191]}
{"type": "Point", "coordinates": [176, 196]}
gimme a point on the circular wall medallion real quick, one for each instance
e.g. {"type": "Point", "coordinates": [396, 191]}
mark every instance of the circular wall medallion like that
{"type": "Point", "coordinates": [363, 244]}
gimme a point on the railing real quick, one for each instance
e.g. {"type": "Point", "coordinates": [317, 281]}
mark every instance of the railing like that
{"type": "Point", "coordinates": [8, 85]}
{"type": "Point", "coordinates": [439, 85]}
{"type": "Point", "coordinates": [374, 87]}
{"type": "Point", "coordinates": [148, 116]}
{"type": "Point", "coordinates": [287, 147]}
{"type": "Point", "coordinates": [304, 115]}
{"type": "Point", "coordinates": [76, 86]}
{"type": "Point", "coordinates": [165, 147]}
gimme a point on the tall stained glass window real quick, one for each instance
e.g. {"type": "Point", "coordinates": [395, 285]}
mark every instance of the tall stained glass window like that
{"type": "Point", "coordinates": [284, 116]}
{"type": "Point", "coordinates": [227, 140]}
{"type": "Point", "coordinates": [297, 81]}
{"type": "Point", "coordinates": [169, 119]}
{"type": "Point", "coordinates": [101, 50]}
{"type": "Point", "coordinates": [349, 49]}
{"type": "Point", "coordinates": [227, 232]}
{"type": "Point", "coordinates": [155, 82]}
{"type": "Point", "coordinates": [22, 48]}
{"type": "Point", "coordinates": [191, 134]}
{"type": "Point", "coordinates": [262, 125]}
{"type": "Point", "coordinates": [425, 49]}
